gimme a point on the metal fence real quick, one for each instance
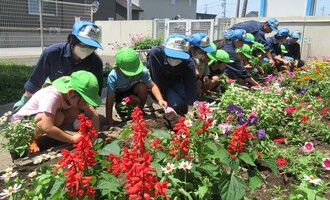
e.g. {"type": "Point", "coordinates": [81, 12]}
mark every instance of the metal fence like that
{"type": "Point", "coordinates": [39, 23]}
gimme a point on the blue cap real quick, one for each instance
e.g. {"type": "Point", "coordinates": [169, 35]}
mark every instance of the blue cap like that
{"type": "Point", "coordinates": [283, 32]}
{"type": "Point", "coordinates": [202, 41]}
{"type": "Point", "coordinates": [273, 23]}
{"type": "Point", "coordinates": [88, 33]}
{"type": "Point", "coordinates": [239, 34]}
{"type": "Point", "coordinates": [296, 34]}
{"type": "Point", "coordinates": [177, 46]}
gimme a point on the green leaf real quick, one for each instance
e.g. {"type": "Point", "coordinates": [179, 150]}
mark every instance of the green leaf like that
{"type": "Point", "coordinates": [211, 145]}
{"type": "Point", "coordinates": [159, 156]}
{"type": "Point", "coordinates": [246, 158]}
{"type": "Point", "coordinates": [158, 168]}
{"type": "Point", "coordinates": [161, 134]}
{"type": "Point", "coordinates": [254, 179]}
{"type": "Point", "coordinates": [202, 191]}
{"type": "Point", "coordinates": [56, 188]}
{"type": "Point", "coordinates": [234, 164]}
{"type": "Point", "coordinates": [126, 133]}
{"type": "Point", "coordinates": [271, 163]}
{"type": "Point", "coordinates": [113, 148]}
{"type": "Point", "coordinates": [185, 193]}
{"type": "Point", "coordinates": [174, 181]}
{"type": "Point", "coordinates": [231, 188]}
{"type": "Point", "coordinates": [108, 185]}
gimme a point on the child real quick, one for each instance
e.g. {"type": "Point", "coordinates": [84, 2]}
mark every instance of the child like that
{"type": "Point", "coordinates": [129, 78]}
{"type": "Point", "coordinates": [218, 66]}
{"type": "Point", "coordinates": [59, 104]}
{"type": "Point", "coordinates": [199, 46]}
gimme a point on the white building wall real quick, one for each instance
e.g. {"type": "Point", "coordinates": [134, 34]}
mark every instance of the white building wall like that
{"type": "Point", "coordinates": [286, 8]}
{"type": "Point", "coordinates": [168, 8]}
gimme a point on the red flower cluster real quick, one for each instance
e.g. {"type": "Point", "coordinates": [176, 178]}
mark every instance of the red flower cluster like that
{"type": "Point", "coordinates": [324, 111]}
{"type": "Point", "coordinates": [141, 178]}
{"type": "Point", "coordinates": [304, 118]}
{"type": "Point", "coordinates": [290, 109]}
{"type": "Point", "coordinates": [180, 140]}
{"type": "Point", "coordinates": [281, 161]}
{"type": "Point", "coordinates": [240, 136]}
{"type": "Point", "coordinates": [279, 140]}
{"type": "Point", "coordinates": [203, 112]}
{"type": "Point", "coordinates": [80, 159]}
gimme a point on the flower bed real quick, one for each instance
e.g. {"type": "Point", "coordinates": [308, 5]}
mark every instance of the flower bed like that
{"type": "Point", "coordinates": [263, 144]}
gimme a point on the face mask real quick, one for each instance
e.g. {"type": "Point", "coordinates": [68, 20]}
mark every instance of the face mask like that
{"type": "Point", "coordinates": [83, 52]}
{"type": "Point", "coordinates": [199, 56]}
{"type": "Point", "coordinates": [174, 61]}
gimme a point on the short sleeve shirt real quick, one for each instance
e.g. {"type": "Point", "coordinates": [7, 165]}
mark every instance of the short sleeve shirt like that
{"type": "Point", "coordinates": [117, 82]}
{"type": "Point", "coordinates": [46, 100]}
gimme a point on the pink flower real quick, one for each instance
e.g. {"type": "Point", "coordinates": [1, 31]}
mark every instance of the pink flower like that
{"type": "Point", "coordinates": [291, 74]}
{"type": "Point", "coordinates": [310, 107]}
{"type": "Point", "coordinates": [290, 110]}
{"type": "Point", "coordinates": [230, 80]}
{"type": "Point", "coordinates": [270, 78]}
{"type": "Point", "coordinates": [320, 99]}
{"type": "Point", "coordinates": [265, 89]}
{"type": "Point", "coordinates": [326, 163]}
{"type": "Point", "coordinates": [286, 99]}
{"type": "Point", "coordinates": [324, 111]}
{"type": "Point", "coordinates": [308, 146]}
{"type": "Point", "coordinates": [127, 99]}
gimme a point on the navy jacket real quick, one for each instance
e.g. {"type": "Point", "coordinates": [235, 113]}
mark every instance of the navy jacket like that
{"type": "Point", "coordinates": [56, 61]}
{"type": "Point", "coordinates": [164, 74]}
{"type": "Point", "coordinates": [275, 48]}
{"type": "Point", "coordinates": [293, 49]}
{"type": "Point", "coordinates": [255, 28]}
{"type": "Point", "coordinates": [235, 67]}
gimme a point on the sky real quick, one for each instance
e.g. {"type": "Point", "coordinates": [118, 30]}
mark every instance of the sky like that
{"type": "Point", "coordinates": [215, 7]}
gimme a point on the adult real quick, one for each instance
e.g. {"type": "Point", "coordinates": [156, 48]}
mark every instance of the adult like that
{"type": "Point", "coordinates": [236, 41]}
{"type": "Point", "coordinates": [62, 59]}
{"type": "Point", "coordinates": [275, 43]}
{"type": "Point", "coordinates": [173, 71]}
{"type": "Point", "coordinates": [199, 46]}
{"type": "Point", "coordinates": [258, 30]}
{"type": "Point", "coordinates": [293, 47]}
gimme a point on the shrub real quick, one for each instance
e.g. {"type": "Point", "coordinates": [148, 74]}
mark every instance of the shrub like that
{"type": "Point", "coordinates": [12, 79]}
{"type": "Point", "coordinates": [146, 43]}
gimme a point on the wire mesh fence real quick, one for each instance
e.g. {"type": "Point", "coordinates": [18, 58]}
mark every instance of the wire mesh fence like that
{"type": "Point", "coordinates": [39, 23]}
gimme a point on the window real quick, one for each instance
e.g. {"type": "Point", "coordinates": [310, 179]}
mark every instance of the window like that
{"type": "Point", "coordinates": [49, 8]}
{"type": "Point", "coordinates": [173, 2]}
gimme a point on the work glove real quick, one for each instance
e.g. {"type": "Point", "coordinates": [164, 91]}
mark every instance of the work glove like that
{"type": "Point", "coordinates": [18, 105]}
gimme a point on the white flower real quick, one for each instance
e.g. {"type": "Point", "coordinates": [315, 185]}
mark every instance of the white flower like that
{"type": "Point", "coordinates": [312, 179]}
{"type": "Point", "coordinates": [8, 175]}
{"type": "Point", "coordinates": [28, 125]}
{"type": "Point", "coordinates": [188, 123]}
{"type": "Point", "coordinates": [57, 155]}
{"type": "Point", "coordinates": [7, 113]}
{"type": "Point", "coordinates": [185, 165]}
{"type": "Point", "coordinates": [32, 174]}
{"type": "Point", "coordinates": [11, 190]}
{"type": "Point", "coordinates": [168, 168]}
{"type": "Point", "coordinates": [216, 137]}
{"type": "Point", "coordinates": [3, 119]}
{"type": "Point", "coordinates": [9, 169]}
{"type": "Point", "coordinates": [37, 160]}
{"type": "Point", "coordinates": [45, 156]}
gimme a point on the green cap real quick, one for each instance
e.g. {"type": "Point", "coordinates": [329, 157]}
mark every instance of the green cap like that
{"type": "Point", "coordinates": [283, 49]}
{"type": "Point", "coordinates": [84, 82]}
{"type": "Point", "coordinates": [250, 36]}
{"type": "Point", "coordinates": [219, 55]}
{"type": "Point", "coordinates": [128, 61]}
{"type": "Point", "coordinates": [246, 50]}
{"type": "Point", "coordinates": [258, 46]}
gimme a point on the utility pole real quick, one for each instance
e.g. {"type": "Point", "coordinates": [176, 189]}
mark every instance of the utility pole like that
{"type": "Point", "coordinates": [205, 8]}
{"type": "Point", "coordinates": [223, 5]}
{"type": "Point", "coordinates": [129, 9]}
{"type": "Point", "coordinates": [245, 2]}
{"type": "Point", "coordinates": [237, 8]}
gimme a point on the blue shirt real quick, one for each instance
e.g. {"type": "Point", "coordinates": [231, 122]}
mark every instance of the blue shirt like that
{"type": "Point", "coordinates": [117, 82]}
{"type": "Point", "coordinates": [235, 67]}
{"type": "Point", "coordinates": [275, 48]}
{"type": "Point", "coordinates": [293, 49]}
{"type": "Point", "coordinates": [255, 28]}
{"type": "Point", "coordinates": [57, 61]}
{"type": "Point", "coordinates": [164, 75]}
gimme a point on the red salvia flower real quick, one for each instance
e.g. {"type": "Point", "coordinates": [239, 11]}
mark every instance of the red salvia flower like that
{"type": "Point", "coordinates": [82, 157]}
{"type": "Point", "coordinates": [141, 180]}
{"type": "Point", "coordinates": [239, 138]}
{"type": "Point", "coordinates": [324, 111]}
{"type": "Point", "coordinates": [304, 118]}
{"type": "Point", "coordinates": [180, 140]}
{"type": "Point", "coordinates": [281, 161]}
{"type": "Point", "coordinates": [279, 140]}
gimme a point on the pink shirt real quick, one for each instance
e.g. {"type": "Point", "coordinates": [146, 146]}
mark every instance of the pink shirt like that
{"type": "Point", "coordinates": [47, 100]}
